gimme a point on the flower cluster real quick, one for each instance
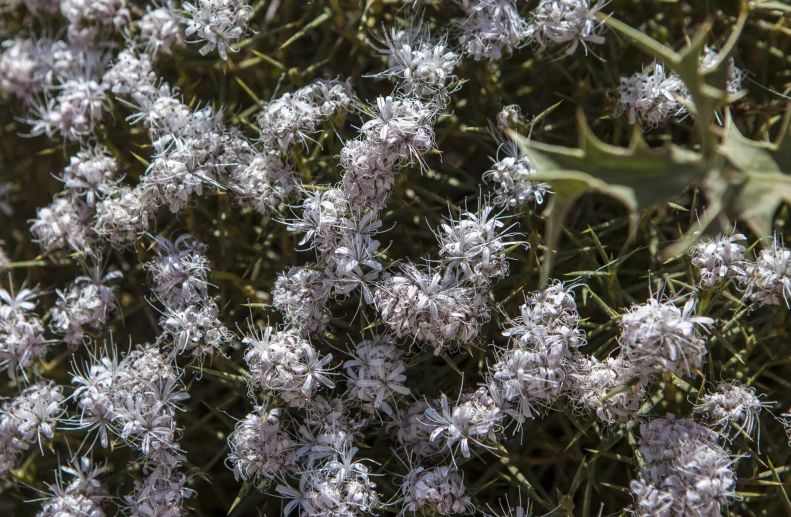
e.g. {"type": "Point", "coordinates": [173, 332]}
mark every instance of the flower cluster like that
{"type": "Point", "coordinates": [429, 306]}
{"type": "Point", "coordinates": [685, 471]}
{"type": "Point", "coordinates": [474, 246]}
{"type": "Point", "coordinates": [768, 279]}
{"type": "Point", "coordinates": [399, 132]}
{"type": "Point", "coordinates": [613, 388]}
{"type": "Point", "coordinates": [27, 420]}
{"type": "Point", "coordinates": [511, 175]}
{"type": "Point", "coordinates": [654, 95]}
{"type": "Point", "coordinates": [413, 431]}
{"type": "Point", "coordinates": [133, 400]}
{"type": "Point", "coordinates": [218, 23]}
{"type": "Point", "coordinates": [440, 490]}
{"type": "Point", "coordinates": [301, 295]}
{"type": "Point", "coordinates": [536, 368]}
{"type": "Point", "coordinates": [21, 331]}
{"type": "Point", "coordinates": [492, 29]}
{"type": "Point", "coordinates": [286, 364]}
{"type": "Point", "coordinates": [260, 448]}
{"type": "Point", "coordinates": [66, 223]}
{"type": "Point", "coordinates": [293, 117]}
{"type": "Point", "coordinates": [179, 274]}
{"type": "Point", "coordinates": [340, 486]}
{"type": "Point", "coordinates": [566, 23]}
{"type": "Point", "coordinates": [719, 258]}
{"type": "Point", "coordinates": [651, 97]}
{"type": "Point", "coordinates": [657, 334]}
{"type": "Point", "coordinates": [422, 67]}
{"type": "Point", "coordinates": [376, 374]}
{"type": "Point", "coordinates": [732, 407]}
{"type": "Point", "coordinates": [83, 496]}
{"type": "Point", "coordinates": [87, 302]}
{"type": "Point", "coordinates": [475, 420]}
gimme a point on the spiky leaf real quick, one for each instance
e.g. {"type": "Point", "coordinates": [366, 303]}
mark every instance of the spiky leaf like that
{"type": "Point", "coordinates": [638, 176]}
{"type": "Point", "coordinates": [757, 178]}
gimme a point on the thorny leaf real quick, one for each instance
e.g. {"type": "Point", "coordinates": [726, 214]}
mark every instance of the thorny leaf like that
{"type": "Point", "coordinates": [638, 176]}
{"type": "Point", "coordinates": [758, 176]}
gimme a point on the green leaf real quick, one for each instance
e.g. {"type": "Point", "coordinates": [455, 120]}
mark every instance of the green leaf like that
{"type": "Point", "coordinates": [637, 176]}
{"type": "Point", "coordinates": [242, 494]}
{"type": "Point", "coordinates": [757, 179]}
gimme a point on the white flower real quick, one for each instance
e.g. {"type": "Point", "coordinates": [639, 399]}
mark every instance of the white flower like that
{"type": "Point", "coordinates": [260, 448]}
{"type": "Point", "coordinates": [657, 334]}
{"type": "Point", "coordinates": [684, 472]}
{"type": "Point", "coordinates": [220, 23]}
{"type": "Point", "coordinates": [594, 380]}
{"type": "Point", "coordinates": [65, 222]}
{"type": "Point", "coordinates": [492, 29]}
{"type": "Point", "coordinates": [131, 72]}
{"type": "Point", "coordinates": [23, 70]}
{"type": "Point", "coordinates": [537, 367]}
{"type": "Point", "coordinates": [719, 258]}
{"type": "Point", "coordinates": [100, 12]}
{"type": "Point", "coordinates": [286, 364]}
{"type": "Point", "coordinates": [161, 31]}
{"type": "Point", "coordinates": [293, 117]}
{"type": "Point", "coordinates": [413, 431]}
{"type": "Point", "coordinates": [474, 246]}
{"type": "Point", "coordinates": [511, 174]}
{"type": "Point", "coordinates": [735, 75]}
{"type": "Point", "coordinates": [421, 66]}
{"type": "Point", "coordinates": [263, 181]}
{"type": "Point", "coordinates": [440, 489]}
{"type": "Point", "coordinates": [566, 23]}
{"type": "Point", "coordinates": [768, 279]}
{"type": "Point", "coordinates": [87, 302]}
{"type": "Point", "coordinates": [82, 497]}
{"type": "Point", "coordinates": [180, 271]}
{"type": "Point", "coordinates": [27, 419]}
{"type": "Point", "coordinates": [301, 295]}
{"type": "Point", "coordinates": [430, 306]}
{"type": "Point", "coordinates": [651, 97]}
{"type": "Point", "coordinates": [161, 494]}
{"type": "Point", "coordinates": [340, 487]}
{"type": "Point", "coordinates": [91, 174]}
{"type": "Point", "coordinates": [122, 217]}
{"type": "Point", "coordinates": [730, 404]}
{"type": "Point", "coordinates": [376, 374]}
{"type": "Point", "coordinates": [80, 104]}
{"type": "Point", "coordinates": [134, 398]}
{"type": "Point", "coordinates": [475, 420]}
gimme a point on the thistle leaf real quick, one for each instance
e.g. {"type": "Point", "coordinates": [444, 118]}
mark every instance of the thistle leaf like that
{"type": "Point", "coordinates": [758, 176]}
{"type": "Point", "coordinates": [637, 176]}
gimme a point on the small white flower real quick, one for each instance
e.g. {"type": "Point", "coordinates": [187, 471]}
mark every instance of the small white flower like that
{"type": "Point", "coordinates": [492, 29]}
{"type": "Point", "coordinates": [218, 23]}
{"type": "Point", "coordinates": [768, 279]}
{"type": "Point", "coordinates": [730, 404]}
{"type": "Point", "coordinates": [475, 245]}
{"type": "Point", "coordinates": [657, 334]}
{"type": "Point", "coordinates": [511, 174]}
{"type": "Point", "coordinates": [440, 489]}
{"type": "Point", "coordinates": [651, 97]}
{"type": "Point", "coordinates": [161, 31]}
{"type": "Point", "coordinates": [91, 174]}
{"type": "Point", "coordinates": [286, 364]}
{"type": "Point", "coordinates": [566, 23]}
{"type": "Point", "coordinates": [719, 258]}
{"type": "Point", "coordinates": [376, 374]}
{"type": "Point", "coordinates": [260, 448]}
